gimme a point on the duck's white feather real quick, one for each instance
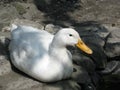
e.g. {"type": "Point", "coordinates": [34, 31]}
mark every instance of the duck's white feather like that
{"type": "Point", "coordinates": [29, 51]}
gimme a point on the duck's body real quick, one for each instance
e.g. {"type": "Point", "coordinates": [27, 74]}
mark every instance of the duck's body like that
{"type": "Point", "coordinates": [40, 54]}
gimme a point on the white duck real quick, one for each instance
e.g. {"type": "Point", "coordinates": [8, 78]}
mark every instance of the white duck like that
{"type": "Point", "coordinates": [42, 55]}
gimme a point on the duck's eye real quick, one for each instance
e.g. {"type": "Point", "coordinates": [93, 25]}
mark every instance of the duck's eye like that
{"type": "Point", "coordinates": [70, 35]}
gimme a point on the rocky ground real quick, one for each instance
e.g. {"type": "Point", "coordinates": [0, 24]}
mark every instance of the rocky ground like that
{"type": "Point", "coordinates": [98, 23]}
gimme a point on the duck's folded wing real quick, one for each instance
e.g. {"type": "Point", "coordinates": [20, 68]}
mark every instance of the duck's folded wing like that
{"type": "Point", "coordinates": [30, 44]}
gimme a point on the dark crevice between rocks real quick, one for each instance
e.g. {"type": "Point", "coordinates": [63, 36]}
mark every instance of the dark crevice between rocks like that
{"type": "Point", "coordinates": [106, 39]}
{"type": "Point", "coordinates": [103, 85]}
{"type": "Point", "coordinates": [87, 86]}
{"type": "Point", "coordinates": [4, 45]}
{"type": "Point", "coordinates": [95, 78]}
{"type": "Point", "coordinates": [117, 58]}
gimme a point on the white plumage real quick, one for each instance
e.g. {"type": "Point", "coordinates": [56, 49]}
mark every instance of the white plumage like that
{"type": "Point", "coordinates": [42, 55]}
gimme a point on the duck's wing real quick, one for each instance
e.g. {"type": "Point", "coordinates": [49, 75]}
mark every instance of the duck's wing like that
{"type": "Point", "coordinates": [29, 43]}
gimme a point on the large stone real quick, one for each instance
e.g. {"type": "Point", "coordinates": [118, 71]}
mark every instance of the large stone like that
{"type": "Point", "coordinates": [13, 81]}
{"type": "Point", "coordinates": [52, 28]}
{"type": "Point", "coordinates": [19, 7]}
{"type": "Point", "coordinates": [112, 47]}
{"type": "Point", "coordinates": [117, 71]}
{"type": "Point", "coordinates": [80, 75]}
{"type": "Point", "coordinates": [112, 72]}
{"type": "Point", "coordinates": [5, 66]}
{"type": "Point", "coordinates": [27, 23]}
{"type": "Point", "coordinates": [7, 13]}
{"type": "Point", "coordinates": [32, 13]}
{"type": "Point", "coordinates": [63, 85]}
{"type": "Point", "coordinates": [111, 68]}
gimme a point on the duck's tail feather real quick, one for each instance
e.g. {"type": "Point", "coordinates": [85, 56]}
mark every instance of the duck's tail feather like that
{"type": "Point", "coordinates": [13, 27]}
{"type": "Point", "coordinates": [14, 24]}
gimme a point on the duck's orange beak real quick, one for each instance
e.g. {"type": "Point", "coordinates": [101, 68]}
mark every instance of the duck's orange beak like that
{"type": "Point", "coordinates": [84, 47]}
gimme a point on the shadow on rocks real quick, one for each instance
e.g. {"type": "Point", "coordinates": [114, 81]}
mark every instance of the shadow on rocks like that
{"type": "Point", "coordinates": [4, 43]}
{"type": "Point", "coordinates": [58, 10]}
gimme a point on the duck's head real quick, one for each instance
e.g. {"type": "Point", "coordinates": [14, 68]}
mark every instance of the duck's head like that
{"type": "Point", "coordinates": [70, 37]}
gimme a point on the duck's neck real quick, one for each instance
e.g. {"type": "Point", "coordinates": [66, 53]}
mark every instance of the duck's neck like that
{"type": "Point", "coordinates": [62, 57]}
{"type": "Point", "coordinates": [59, 52]}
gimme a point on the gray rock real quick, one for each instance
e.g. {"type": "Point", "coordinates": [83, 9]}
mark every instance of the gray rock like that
{"type": "Point", "coordinates": [80, 75]}
{"type": "Point", "coordinates": [27, 23]}
{"type": "Point", "coordinates": [7, 13]}
{"type": "Point", "coordinates": [114, 37]}
{"type": "Point", "coordinates": [63, 85]}
{"type": "Point", "coordinates": [113, 71]}
{"type": "Point", "coordinates": [19, 7]}
{"type": "Point", "coordinates": [52, 28]}
{"type": "Point", "coordinates": [13, 81]}
{"type": "Point", "coordinates": [117, 71]}
{"type": "Point", "coordinates": [20, 81]}
{"type": "Point", "coordinates": [32, 13]}
{"type": "Point", "coordinates": [112, 47]}
{"type": "Point", "coordinates": [95, 32]}
{"type": "Point", "coordinates": [5, 66]}
{"type": "Point", "coordinates": [83, 61]}
{"type": "Point", "coordinates": [6, 29]}
{"type": "Point", "coordinates": [4, 42]}
{"type": "Point", "coordinates": [111, 67]}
